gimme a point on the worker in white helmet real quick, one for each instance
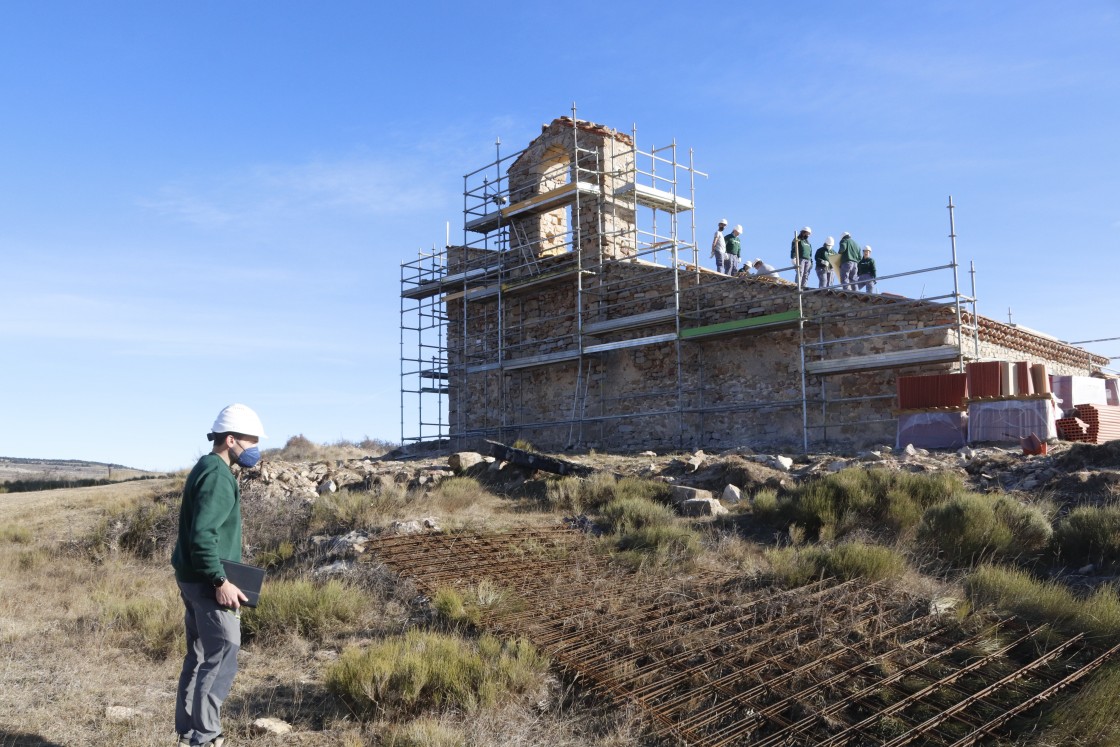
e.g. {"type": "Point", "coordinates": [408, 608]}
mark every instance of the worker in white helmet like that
{"type": "Point", "coordinates": [209, 533]}
{"type": "Point", "coordinates": [719, 245]}
{"type": "Point", "coordinates": [734, 251]}
{"type": "Point", "coordinates": [801, 256]}
{"type": "Point", "coordinates": [824, 263]}
{"type": "Point", "coordinates": [849, 261]}
{"type": "Point", "coordinates": [866, 271]}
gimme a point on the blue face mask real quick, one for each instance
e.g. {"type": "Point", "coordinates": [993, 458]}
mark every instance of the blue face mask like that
{"type": "Point", "coordinates": [249, 457]}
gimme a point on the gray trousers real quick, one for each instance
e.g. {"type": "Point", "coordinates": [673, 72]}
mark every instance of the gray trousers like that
{"type": "Point", "coordinates": [848, 274]}
{"type": "Point", "coordinates": [730, 264]}
{"type": "Point", "coordinates": [721, 260]}
{"type": "Point", "coordinates": [213, 640]}
{"type": "Point", "coordinates": [824, 276]}
{"type": "Point", "coordinates": [804, 266]}
{"type": "Point", "coordinates": [867, 283]}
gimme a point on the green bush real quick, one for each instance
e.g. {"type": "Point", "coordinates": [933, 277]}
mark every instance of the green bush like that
{"type": "Point", "coordinates": [1090, 534]}
{"type": "Point", "coordinates": [667, 543]}
{"type": "Point", "coordinates": [468, 607]}
{"type": "Point", "coordinates": [302, 607]}
{"type": "Point", "coordinates": [151, 626]}
{"type": "Point", "coordinates": [1087, 718]}
{"type": "Point", "coordinates": [1045, 601]}
{"type": "Point", "coordinates": [859, 560]}
{"type": "Point", "coordinates": [836, 504]}
{"type": "Point", "coordinates": [423, 732]}
{"type": "Point", "coordinates": [765, 505]}
{"type": "Point", "coordinates": [971, 527]}
{"type": "Point", "coordinates": [581, 495]}
{"type": "Point", "coordinates": [421, 670]}
{"type": "Point", "coordinates": [626, 514]}
{"type": "Point", "coordinates": [795, 566]}
{"type": "Point", "coordinates": [458, 493]}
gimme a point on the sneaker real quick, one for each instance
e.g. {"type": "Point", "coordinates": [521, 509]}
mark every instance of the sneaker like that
{"type": "Point", "coordinates": [184, 740]}
{"type": "Point", "coordinates": [218, 741]}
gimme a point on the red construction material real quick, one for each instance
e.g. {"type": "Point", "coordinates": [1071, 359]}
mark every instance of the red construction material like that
{"type": "Point", "coordinates": [936, 390]}
{"type": "Point", "coordinates": [984, 379]}
{"type": "Point", "coordinates": [1094, 424]}
{"type": "Point", "coordinates": [1040, 379]}
{"type": "Point", "coordinates": [1023, 382]}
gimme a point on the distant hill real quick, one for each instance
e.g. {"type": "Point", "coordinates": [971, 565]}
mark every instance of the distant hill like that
{"type": "Point", "coordinates": [13, 469]}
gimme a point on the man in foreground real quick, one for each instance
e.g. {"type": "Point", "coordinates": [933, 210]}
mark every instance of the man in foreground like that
{"type": "Point", "coordinates": [210, 532]}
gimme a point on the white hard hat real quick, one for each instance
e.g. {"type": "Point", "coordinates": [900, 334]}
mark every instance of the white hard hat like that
{"type": "Point", "coordinates": [738, 228]}
{"type": "Point", "coordinates": [845, 234]}
{"type": "Point", "coordinates": [829, 241]}
{"type": "Point", "coordinates": [867, 248]}
{"type": "Point", "coordinates": [806, 229]}
{"type": "Point", "coordinates": [723, 221]}
{"type": "Point", "coordinates": [238, 419]}
{"type": "Point", "coordinates": [757, 261]}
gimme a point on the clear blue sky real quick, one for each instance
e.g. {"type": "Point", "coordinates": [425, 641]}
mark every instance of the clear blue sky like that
{"type": "Point", "coordinates": [209, 202]}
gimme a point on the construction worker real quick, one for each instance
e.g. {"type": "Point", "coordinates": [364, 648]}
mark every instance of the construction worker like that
{"type": "Point", "coordinates": [801, 253]}
{"type": "Point", "coordinates": [210, 532]}
{"type": "Point", "coordinates": [719, 246]}
{"type": "Point", "coordinates": [824, 264]}
{"type": "Point", "coordinates": [849, 261]}
{"type": "Point", "coordinates": [734, 251]}
{"type": "Point", "coordinates": [762, 268]}
{"type": "Point", "coordinates": [866, 271]}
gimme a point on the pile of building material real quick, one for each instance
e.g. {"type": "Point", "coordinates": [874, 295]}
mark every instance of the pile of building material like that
{"type": "Point", "coordinates": [1094, 424]}
{"type": "Point", "coordinates": [931, 411]}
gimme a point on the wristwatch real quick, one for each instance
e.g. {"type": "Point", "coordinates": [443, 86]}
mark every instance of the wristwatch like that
{"type": "Point", "coordinates": [219, 581]}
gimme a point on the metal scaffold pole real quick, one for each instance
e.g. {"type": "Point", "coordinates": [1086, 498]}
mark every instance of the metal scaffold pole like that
{"type": "Point", "coordinates": [956, 284]}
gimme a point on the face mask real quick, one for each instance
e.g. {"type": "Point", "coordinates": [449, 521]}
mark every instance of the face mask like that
{"type": "Point", "coordinates": [249, 457]}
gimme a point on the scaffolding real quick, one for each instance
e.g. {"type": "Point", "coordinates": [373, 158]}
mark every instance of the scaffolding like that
{"type": "Point", "coordinates": [584, 214]}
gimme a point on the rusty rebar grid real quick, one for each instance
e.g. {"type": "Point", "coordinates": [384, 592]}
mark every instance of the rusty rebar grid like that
{"type": "Point", "coordinates": [723, 661]}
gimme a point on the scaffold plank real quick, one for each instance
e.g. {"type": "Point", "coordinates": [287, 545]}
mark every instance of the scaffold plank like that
{"type": "Point", "coordinates": [894, 359]}
{"type": "Point", "coordinates": [553, 199]}
{"type": "Point", "coordinates": [629, 322]}
{"type": "Point", "coordinates": [652, 197]}
{"type": "Point", "coordinates": [750, 324]}
{"type": "Point", "coordinates": [631, 343]}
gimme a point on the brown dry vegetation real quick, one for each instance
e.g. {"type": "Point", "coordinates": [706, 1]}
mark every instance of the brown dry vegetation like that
{"type": "Point", "coordinates": [89, 618]}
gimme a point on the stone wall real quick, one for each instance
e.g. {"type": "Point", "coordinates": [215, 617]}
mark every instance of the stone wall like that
{"type": "Point", "coordinates": [736, 389]}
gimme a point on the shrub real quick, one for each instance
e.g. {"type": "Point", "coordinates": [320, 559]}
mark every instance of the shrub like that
{"type": "Point", "coordinates": [765, 506]}
{"type": "Point", "coordinates": [794, 566]}
{"type": "Point", "coordinates": [1044, 601]}
{"type": "Point", "coordinates": [1090, 534]}
{"type": "Point", "coordinates": [1088, 717]}
{"type": "Point", "coordinates": [457, 493]}
{"type": "Point", "coordinates": [469, 606]}
{"type": "Point", "coordinates": [423, 732]}
{"type": "Point", "coordinates": [626, 514]}
{"type": "Point", "coordinates": [420, 670]}
{"type": "Point", "coordinates": [859, 560]}
{"type": "Point", "coordinates": [18, 535]}
{"type": "Point", "coordinates": [971, 527]}
{"type": "Point", "coordinates": [667, 543]}
{"type": "Point", "coordinates": [153, 627]}
{"type": "Point", "coordinates": [836, 504]}
{"type": "Point", "coordinates": [302, 607]}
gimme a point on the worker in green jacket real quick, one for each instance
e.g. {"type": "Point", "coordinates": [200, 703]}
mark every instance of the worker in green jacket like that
{"type": "Point", "coordinates": [824, 263]}
{"type": "Point", "coordinates": [210, 532]}
{"type": "Point", "coordinates": [866, 271]}
{"type": "Point", "coordinates": [849, 261]}
{"type": "Point", "coordinates": [801, 253]}
{"type": "Point", "coordinates": [734, 249]}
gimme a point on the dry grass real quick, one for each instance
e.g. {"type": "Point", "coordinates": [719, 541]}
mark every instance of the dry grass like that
{"type": "Point", "coordinates": [103, 630]}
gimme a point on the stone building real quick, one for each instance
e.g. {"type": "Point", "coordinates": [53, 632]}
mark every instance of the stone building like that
{"type": "Point", "coordinates": [577, 315]}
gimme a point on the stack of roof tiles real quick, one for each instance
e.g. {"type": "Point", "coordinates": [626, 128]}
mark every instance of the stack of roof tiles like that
{"type": "Point", "coordinates": [930, 392]}
{"type": "Point", "coordinates": [932, 411]}
{"type": "Point", "coordinates": [1094, 424]}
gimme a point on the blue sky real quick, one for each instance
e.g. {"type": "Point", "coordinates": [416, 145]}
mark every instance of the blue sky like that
{"type": "Point", "coordinates": [209, 202]}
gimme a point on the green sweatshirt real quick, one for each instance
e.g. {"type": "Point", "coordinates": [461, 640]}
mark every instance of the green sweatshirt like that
{"type": "Point", "coordinates": [733, 245]}
{"type": "Point", "coordinates": [823, 254]}
{"type": "Point", "coordinates": [850, 251]}
{"type": "Point", "coordinates": [866, 266]}
{"type": "Point", "coordinates": [801, 249]}
{"type": "Point", "coordinates": [209, 522]}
